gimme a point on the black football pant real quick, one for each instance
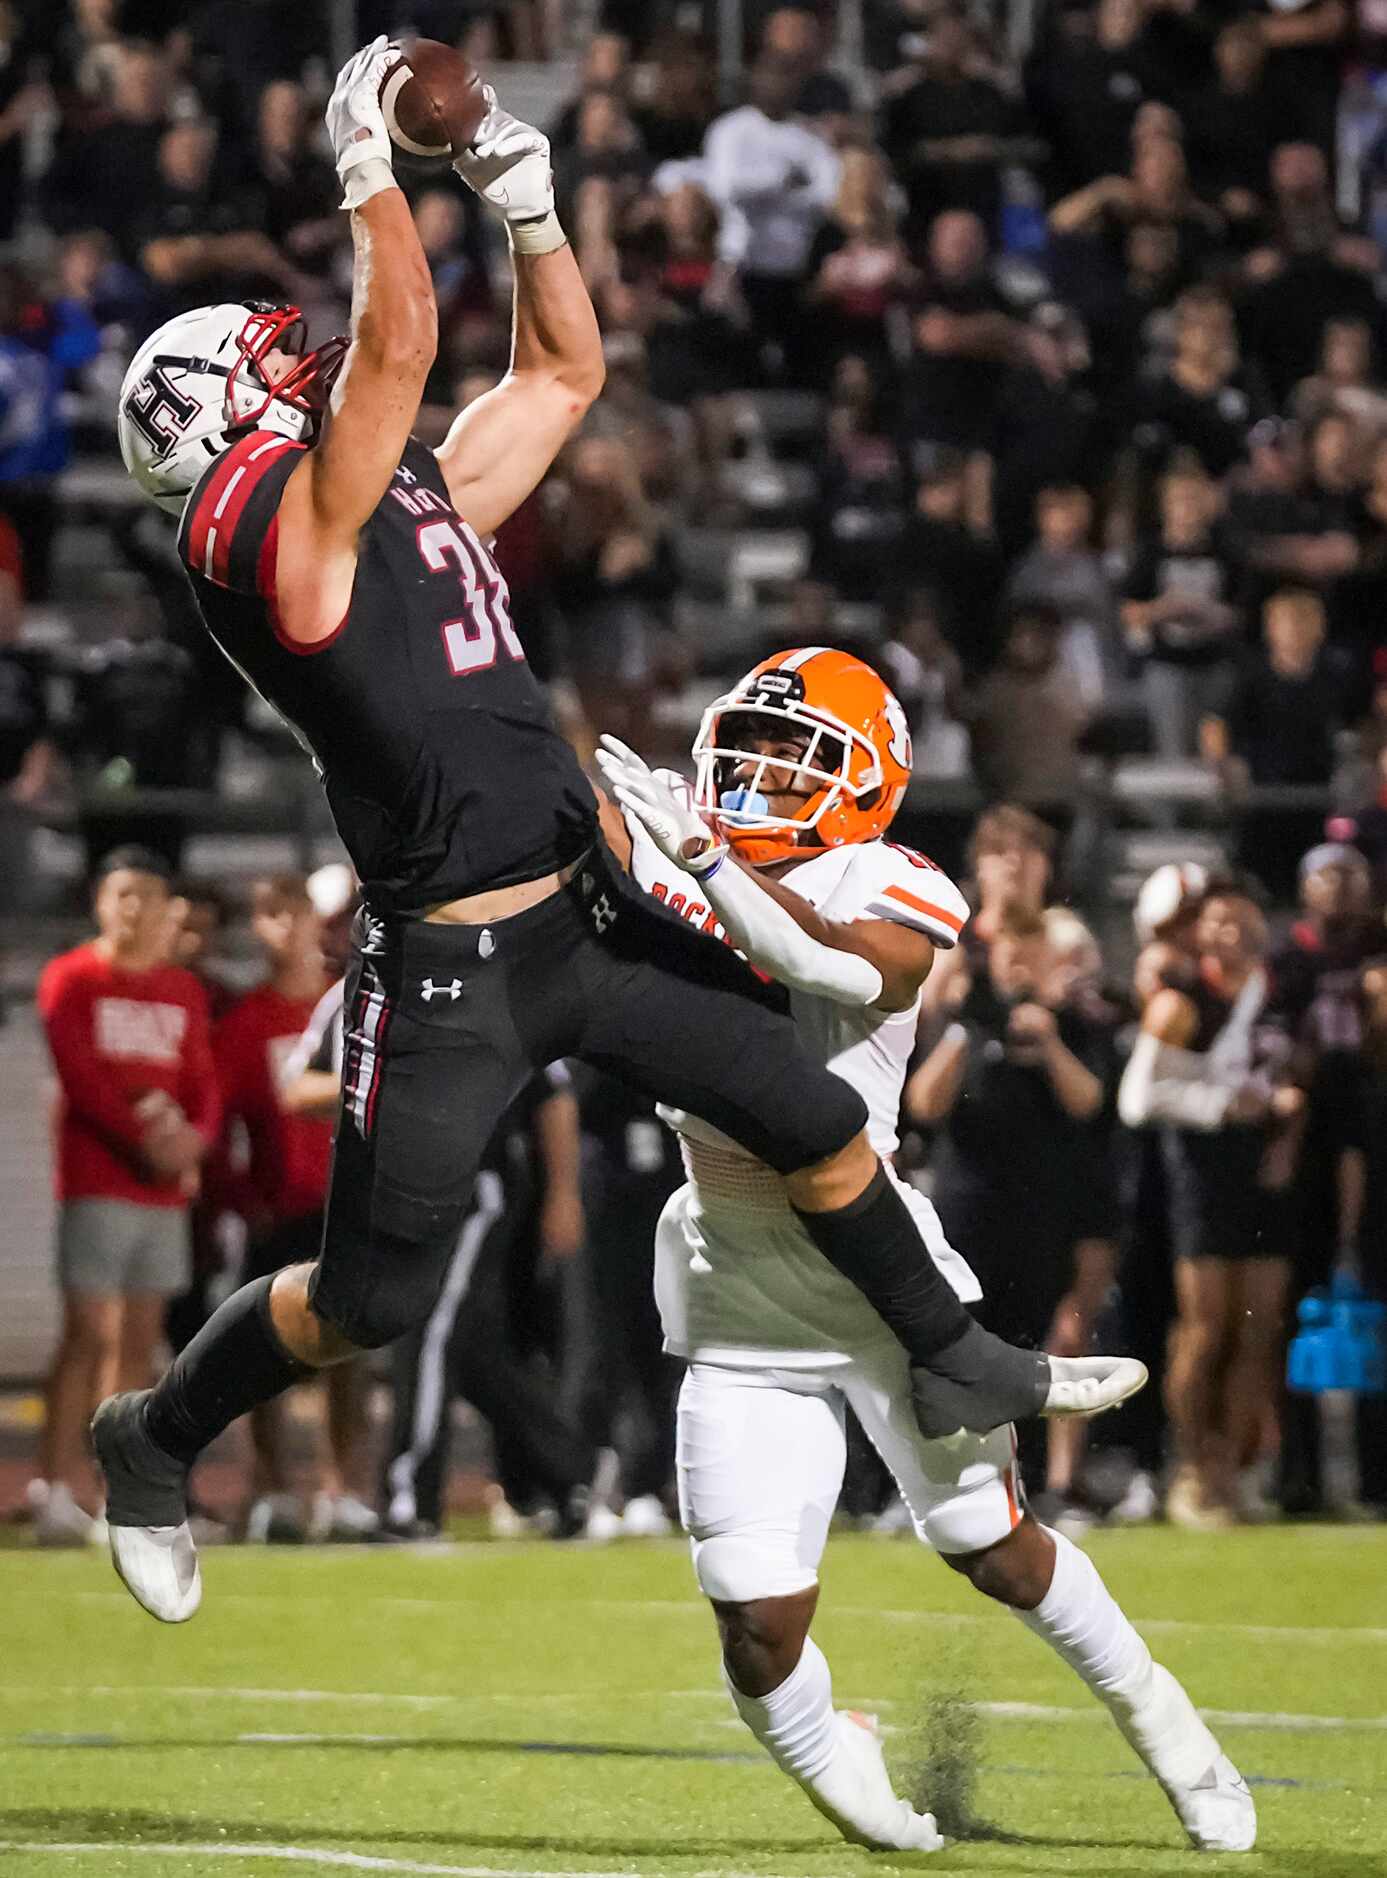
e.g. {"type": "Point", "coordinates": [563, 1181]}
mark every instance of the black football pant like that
{"type": "Point", "coordinates": [446, 1023]}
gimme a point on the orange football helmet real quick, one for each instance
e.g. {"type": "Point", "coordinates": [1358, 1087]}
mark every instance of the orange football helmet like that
{"type": "Point", "coordinates": [855, 764]}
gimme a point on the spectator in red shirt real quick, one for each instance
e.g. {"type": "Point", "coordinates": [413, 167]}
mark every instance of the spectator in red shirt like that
{"type": "Point", "coordinates": [279, 1191]}
{"type": "Point", "coordinates": [138, 1111]}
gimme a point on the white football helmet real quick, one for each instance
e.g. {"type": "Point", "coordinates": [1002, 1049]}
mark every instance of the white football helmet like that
{"type": "Point", "coordinates": [202, 377]}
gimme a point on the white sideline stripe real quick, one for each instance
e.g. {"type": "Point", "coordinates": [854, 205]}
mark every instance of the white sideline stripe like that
{"type": "Point", "coordinates": [311, 1855]}
{"type": "Point", "coordinates": [1223, 1717]}
{"type": "Point", "coordinates": [999, 1711]}
{"type": "Point", "coordinates": [344, 1861]}
{"type": "Point", "coordinates": [398, 1698]}
{"type": "Point", "coordinates": [693, 1606]}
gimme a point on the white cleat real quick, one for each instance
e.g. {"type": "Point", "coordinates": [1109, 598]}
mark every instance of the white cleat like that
{"type": "Point", "coordinates": [60, 1521]}
{"type": "Point", "coordinates": [1090, 1385]}
{"type": "Point", "coordinates": [158, 1567]}
{"type": "Point", "coordinates": [645, 1518]}
{"type": "Point", "coordinates": [901, 1828]}
{"type": "Point", "coordinates": [342, 1519]}
{"type": "Point", "coordinates": [1218, 1812]}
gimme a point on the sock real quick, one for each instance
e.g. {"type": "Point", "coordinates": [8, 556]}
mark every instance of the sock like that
{"type": "Point", "coordinates": [799, 1729]}
{"type": "Point", "coordinates": [971, 1379]}
{"type": "Point", "coordinates": [235, 1362]}
{"type": "Point", "coordinates": [1081, 1621]}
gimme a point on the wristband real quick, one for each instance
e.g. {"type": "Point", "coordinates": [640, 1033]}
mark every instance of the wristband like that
{"type": "Point", "coordinates": [538, 234]}
{"type": "Point", "coordinates": [366, 179]}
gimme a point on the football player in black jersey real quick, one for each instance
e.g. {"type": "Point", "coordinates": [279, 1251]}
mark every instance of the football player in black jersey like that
{"type": "Point", "coordinates": [344, 568]}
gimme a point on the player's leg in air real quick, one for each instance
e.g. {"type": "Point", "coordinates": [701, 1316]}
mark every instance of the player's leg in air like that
{"type": "Point", "coordinates": [343, 568]}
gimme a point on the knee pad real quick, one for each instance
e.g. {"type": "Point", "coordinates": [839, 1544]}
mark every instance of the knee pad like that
{"type": "Point", "coordinates": [739, 1568]}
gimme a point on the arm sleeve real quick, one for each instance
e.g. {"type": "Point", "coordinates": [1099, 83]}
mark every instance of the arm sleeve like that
{"type": "Point", "coordinates": [230, 523]}
{"type": "Point", "coordinates": [773, 939]}
{"type": "Point", "coordinates": [1162, 1083]}
{"type": "Point", "coordinates": [65, 1004]}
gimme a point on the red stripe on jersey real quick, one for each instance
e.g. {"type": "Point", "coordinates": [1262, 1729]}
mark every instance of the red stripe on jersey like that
{"type": "Point", "coordinates": [942, 914]}
{"type": "Point", "coordinates": [266, 585]}
{"type": "Point", "coordinates": [222, 503]}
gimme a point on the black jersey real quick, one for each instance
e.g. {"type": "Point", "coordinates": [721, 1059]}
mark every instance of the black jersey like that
{"type": "Point", "coordinates": [443, 768]}
{"type": "Point", "coordinates": [1218, 1201]}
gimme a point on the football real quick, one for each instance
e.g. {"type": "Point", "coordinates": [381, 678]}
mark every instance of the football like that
{"type": "Point", "coordinates": [432, 101]}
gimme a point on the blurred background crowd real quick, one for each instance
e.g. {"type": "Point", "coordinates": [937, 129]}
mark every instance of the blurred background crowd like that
{"type": "Point", "coordinates": [1035, 353]}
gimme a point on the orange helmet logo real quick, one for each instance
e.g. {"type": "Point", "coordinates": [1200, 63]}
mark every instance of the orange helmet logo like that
{"type": "Point", "coordinates": [817, 725]}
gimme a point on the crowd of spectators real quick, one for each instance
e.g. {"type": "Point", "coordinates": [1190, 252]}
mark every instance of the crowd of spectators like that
{"type": "Point", "coordinates": [1092, 335]}
{"type": "Point", "coordinates": [1164, 1160]}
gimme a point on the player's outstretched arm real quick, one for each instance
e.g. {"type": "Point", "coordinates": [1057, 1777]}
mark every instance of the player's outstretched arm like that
{"type": "Point", "coordinates": [375, 401]}
{"type": "Point", "coordinates": [500, 447]}
{"type": "Point", "coordinates": [870, 962]}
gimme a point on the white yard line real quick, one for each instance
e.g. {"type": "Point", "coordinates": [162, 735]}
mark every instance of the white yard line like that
{"type": "Point", "coordinates": [1276, 1719]}
{"type": "Point", "coordinates": [313, 1855]}
{"type": "Point", "coordinates": [692, 1607]}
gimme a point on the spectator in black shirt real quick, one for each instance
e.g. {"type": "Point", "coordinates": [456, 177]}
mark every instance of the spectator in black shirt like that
{"type": "Point", "coordinates": [1084, 82]}
{"type": "Point", "coordinates": [1312, 271]}
{"type": "Point", "coordinates": [1012, 1089]}
{"type": "Point", "coordinates": [104, 176]}
{"type": "Point", "coordinates": [298, 190]}
{"type": "Point", "coordinates": [1177, 614]}
{"type": "Point", "coordinates": [606, 68]}
{"type": "Point", "coordinates": [1155, 189]}
{"type": "Point", "coordinates": [860, 511]}
{"type": "Point", "coordinates": [942, 550]}
{"type": "Point", "coordinates": [964, 332]}
{"type": "Point", "coordinates": [682, 101]}
{"type": "Point", "coordinates": [1199, 401]}
{"type": "Point", "coordinates": [139, 721]}
{"type": "Point", "coordinates": [240, 46]}
{"type": "Point", "coordinates": [947, 129]}
{"type": "Point", "coordinates": [1235, 121]}
{"type": "Point", "coordinates": [1288, 704]}
{"type": "Point", "coordinates": [1306, 44]}
{"type": "Point", "coordinates": [23, 96]}
{"type": "Point", "coordinates": [199, 243]}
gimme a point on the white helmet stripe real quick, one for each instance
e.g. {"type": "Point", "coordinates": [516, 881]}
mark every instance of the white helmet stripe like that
{"type": "Point", "coordinates": [802, 657]}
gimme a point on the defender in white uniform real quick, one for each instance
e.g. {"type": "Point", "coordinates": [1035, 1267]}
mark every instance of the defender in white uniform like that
{"type": "Point", "coordinates": [777, 1341]}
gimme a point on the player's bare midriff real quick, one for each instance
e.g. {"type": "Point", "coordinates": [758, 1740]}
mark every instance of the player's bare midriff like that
{"type": "Point", "coordinates": [498, 903]}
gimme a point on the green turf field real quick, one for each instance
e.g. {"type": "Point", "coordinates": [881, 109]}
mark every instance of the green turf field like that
{"type": "Point", "coordinates": [527, 1708]}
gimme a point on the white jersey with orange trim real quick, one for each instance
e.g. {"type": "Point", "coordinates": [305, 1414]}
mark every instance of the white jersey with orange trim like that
{"type": "Point", "coordinates": [737, 1279]}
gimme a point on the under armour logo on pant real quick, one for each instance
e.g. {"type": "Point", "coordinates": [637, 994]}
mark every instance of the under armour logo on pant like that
{"type": "Point", "coordinates": [429, 990]}
{"type": "Point", "coordinates": [603, 913]}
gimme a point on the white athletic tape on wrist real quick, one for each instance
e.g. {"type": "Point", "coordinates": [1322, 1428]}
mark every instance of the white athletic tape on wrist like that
{"type": "Point", "coordinates": [540, 235]}
{"type": "Point", "coordinates": [366, 179]}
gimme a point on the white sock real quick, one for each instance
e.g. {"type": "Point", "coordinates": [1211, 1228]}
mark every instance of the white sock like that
{"type": "Point", "coordinates": [1080, 1620]}
{"type": "Point", "coordinates": [846, 1779]}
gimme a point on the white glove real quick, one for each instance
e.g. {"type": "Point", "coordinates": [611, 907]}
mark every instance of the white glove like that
{"type": "Point", "coordinates": [360, 142]}
{"type": "Point", "coordinates": [508, 166]}
{"type": "Point", "coordinates": [668, 815]}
